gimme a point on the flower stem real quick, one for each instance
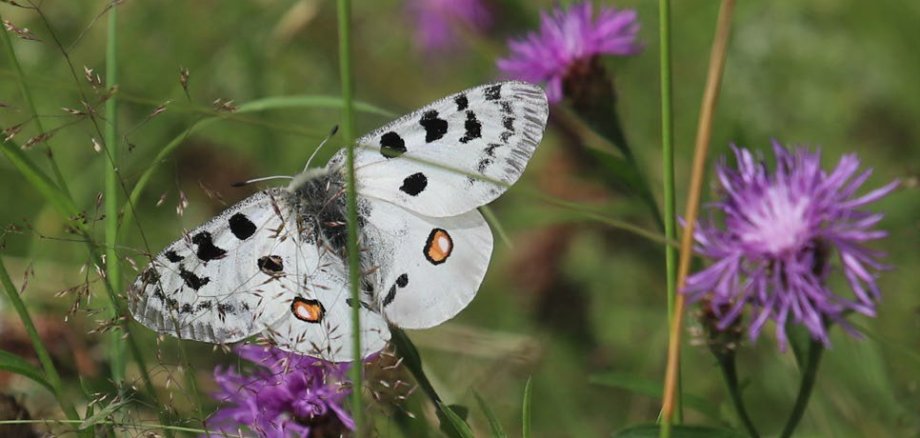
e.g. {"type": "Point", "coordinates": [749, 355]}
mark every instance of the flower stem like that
{"type": "Point", "coordinates": [730, 374]}
{"type": "Point", "coordinates": [815, 350]}
{"type": "Point", "coordinates": [703, 136]}
{"type": "Point", "coordinates": [667, 154]}
{"type": "Point", "coordinates": [345, 76]}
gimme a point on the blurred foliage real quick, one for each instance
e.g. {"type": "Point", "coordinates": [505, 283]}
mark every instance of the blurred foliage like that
{"type": "Point", "coordinates": [839, 74]}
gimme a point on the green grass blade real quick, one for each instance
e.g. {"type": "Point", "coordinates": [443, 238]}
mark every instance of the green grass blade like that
{"type": "Point", "coordinates": [494, 425]}
{"type": "Point", "coordinates": [17, 365]}
{"type": "Point", "coordinates": [30, 103]}
{"type": "Point", "coordinates": [667, 156]}
{"type": "Point", "coordinates": [110, 190]}
{"type": "Point", "coordinates": [351, 194]}
{"type": "Point", "coordinates": [452, 424]}
{"type": "Point", "coordinates": [496, 225]}
{"type": "Point", "coordinates": [51, 375]}
{"type": "Point", "coordinates": [101, 414]}
{"type": "Point", "coordinates": [526, 410]}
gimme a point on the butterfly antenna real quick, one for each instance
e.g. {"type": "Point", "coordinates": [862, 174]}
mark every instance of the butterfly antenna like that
{"type": "Point", "coordinates": [313, 155]}
{"type": "Point", "coordinates": [264, 178]}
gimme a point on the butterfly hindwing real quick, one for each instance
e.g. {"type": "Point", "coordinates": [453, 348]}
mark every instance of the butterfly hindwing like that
{"type": "Point", "coordinates": [426, 269]}
{"type": "Point", "coordinates": [319, 323]}
{"type": "Point", "coordinates": [455, 154]}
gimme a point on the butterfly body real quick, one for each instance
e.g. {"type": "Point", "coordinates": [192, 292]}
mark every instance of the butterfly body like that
{"type": "Point", "coordinates": [274, 263]}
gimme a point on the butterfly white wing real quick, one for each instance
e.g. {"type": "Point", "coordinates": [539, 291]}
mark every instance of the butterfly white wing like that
{"type": "Point", "coordinates": [426, 269]}
{"type": "Point", "coordinates": [455, 154]}
{"type": "Point", "coordinates": [319, 323]}
{"type": "Point", "coordinates": [253, 269]}
{"type": "Point", "coordinates": [209, 285]}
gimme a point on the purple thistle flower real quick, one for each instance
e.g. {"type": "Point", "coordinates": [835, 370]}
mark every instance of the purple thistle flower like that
{"type": "Point", "coordinates": [775, 247]}
{"type": "Point", "coordinates": [568, 38]}
{"type": "Point", "coordinates": [440, 23]}
{"type": "Point", "coordinates": [289, 396]}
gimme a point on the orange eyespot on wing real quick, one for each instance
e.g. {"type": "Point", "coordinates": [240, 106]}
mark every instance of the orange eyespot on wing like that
{"type": "Point", "coordinates": [308, 310]}
{"type": "Point", "coordinates": [438, 246]}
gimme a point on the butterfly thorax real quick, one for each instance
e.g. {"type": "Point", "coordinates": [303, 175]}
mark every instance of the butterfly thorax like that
{"type": "Point", "coordinates": [317, 198]}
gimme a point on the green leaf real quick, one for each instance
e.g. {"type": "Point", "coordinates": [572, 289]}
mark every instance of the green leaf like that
{"type": "Point", "coordinates": [494, 424]}
{"type": "Point", "coordinates": [452, 422]}
{"type": "Point", "coordinates": [652, 388]}
{"type": "Point", "coordinates": [17, 365]}
{"type": "Point", "coordinates": [799, 340]}
{"type": "Point", "coordinates": [411, 359]}
{"type": "Point", "coordinates": [526, 415]}
{"type": "Point", "coordinates": [448, 416]}
{"type": "Point", "coordinates": [678, 431]}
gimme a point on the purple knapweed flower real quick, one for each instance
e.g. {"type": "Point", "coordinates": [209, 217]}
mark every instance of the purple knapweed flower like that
{"type": "Point", "coordinates": [568, 38]}
{"type": "Point", "coordinates": [781, 230]}
{"type": "Point", "coordinates": [439, 24]}
{"type": "Point", "coordinates": [289, 396]}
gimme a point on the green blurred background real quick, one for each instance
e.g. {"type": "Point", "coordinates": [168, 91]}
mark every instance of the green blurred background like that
{"type": "Point", "coordinates": [569, 298]}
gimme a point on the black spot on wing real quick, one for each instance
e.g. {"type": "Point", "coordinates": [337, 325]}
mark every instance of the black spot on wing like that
{"type": "Point", "coordinates": [206, 249]}
{"type": "Point", "coordinates": [462, 102]}
{"type": "Point", "coordinates": [435, 127]}
{"type": "Point", "coordinates": [204, 305]}
{"type": "Point", "coordinates": [391, 295]}
{"type": "Point", "coordinates": [414, 184]}
{"type": "Point", "coordinates": [494, 92]}
{"type": "Point", "coordinates": [191, 280]}
{"type": "Point", "coordinates": [472, 126]}
{"type": "Point", "coordinates": [401, 282]}
{"type": "Point", "coordinates": [392, 145]}
{"type": "Point", "coordinates": [173, 257]}
{"type": "Point", "coordinates": [241, 226]}
{"type": "Point", "coordinates": [271, 264]}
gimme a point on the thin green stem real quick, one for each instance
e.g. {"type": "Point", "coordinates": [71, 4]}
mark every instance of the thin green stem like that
{"type": "Point", "coordinates": [112, 262]}
{"type": "Point", "coordinates": [667, 154]}
{"type": "Point", "coordinates": [809, 377]}
{"type": "Point", "coordinates": [354, 268]}
{"type": "Point", "coordinates": [30, 103]}
{"type": "Point", "coordinates": [44, 357]}
{"type": "Point", "coordinates": [701, 149]}
{"type": "Point", "coordinates": [730, 374]}
{"type": "Point", "coordinates": [136, 426]}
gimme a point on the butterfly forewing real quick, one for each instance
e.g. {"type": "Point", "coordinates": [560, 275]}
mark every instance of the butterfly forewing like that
{"type": "Point", "coordinates": [427, 269]}
{"type": "Point", "coordinates": [455, 154]}
{"type": "Point", "coordinates": [208, 285]}
{"type": "Point", "coordinates": [257, 268]}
